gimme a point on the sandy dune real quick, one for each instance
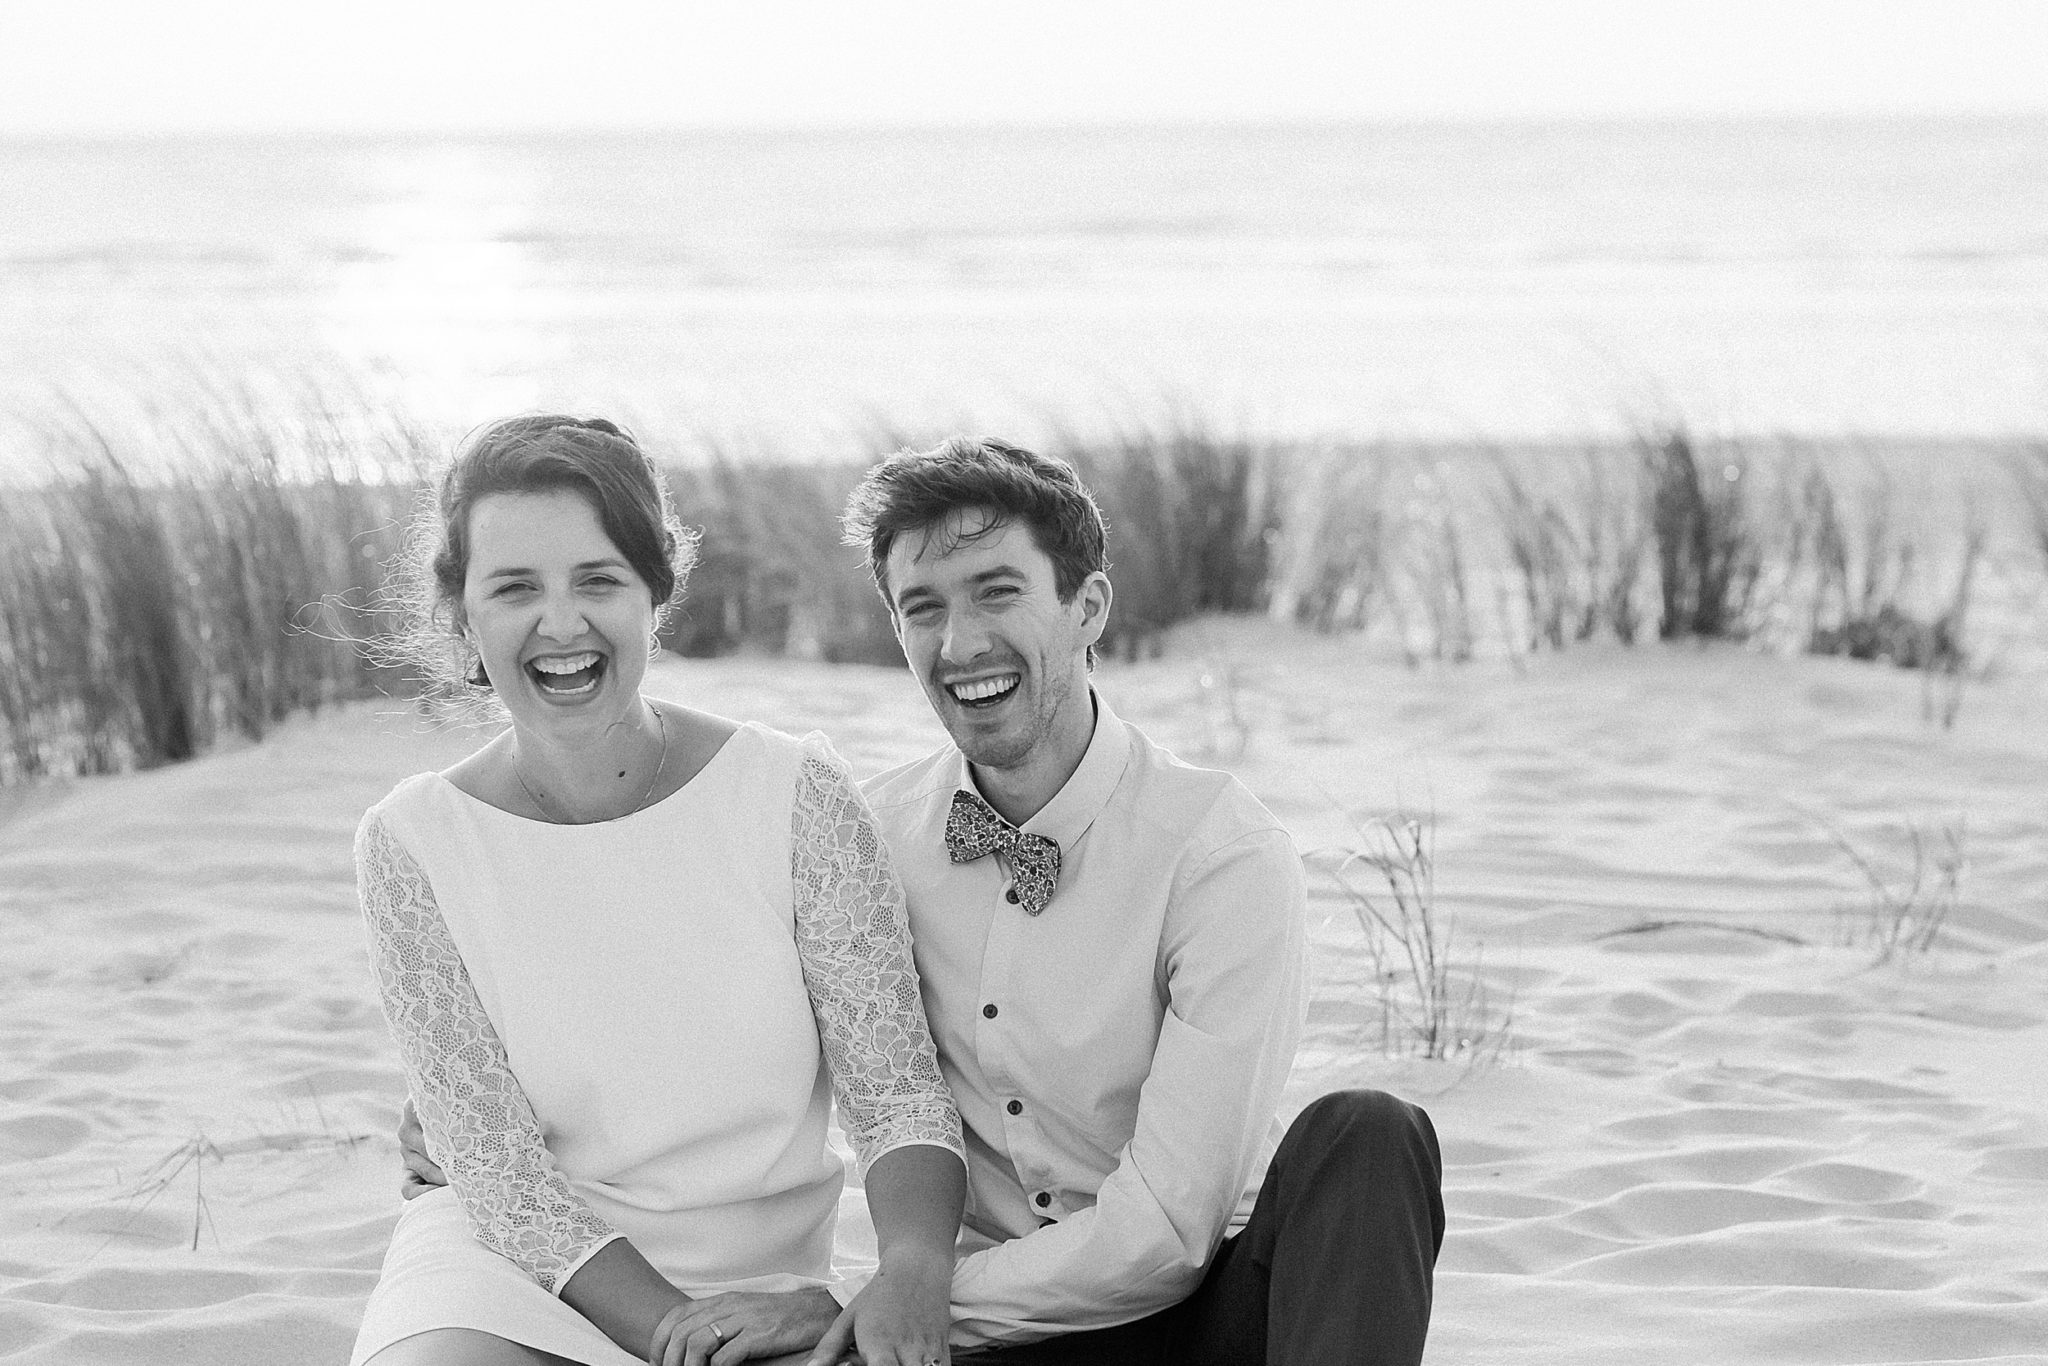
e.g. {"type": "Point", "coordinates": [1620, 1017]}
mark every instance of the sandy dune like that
{"type": "Point", "coordinates": [1712, 1133]}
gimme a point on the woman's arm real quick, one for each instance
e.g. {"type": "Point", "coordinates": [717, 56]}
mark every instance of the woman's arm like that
{"type": "Point", "coordinates": [854, 940]}
{"type": "Point", "coordinates": [915, 1195]}
{"type": "Point", "coordinates": [478, 1123]}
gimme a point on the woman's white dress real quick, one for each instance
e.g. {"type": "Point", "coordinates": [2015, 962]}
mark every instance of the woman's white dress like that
{"type": "Point", "coordinates": [634, 1029]}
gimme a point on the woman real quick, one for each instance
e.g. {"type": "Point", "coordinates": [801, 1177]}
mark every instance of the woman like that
{"type": "Point", "coordinates": [616, 947]}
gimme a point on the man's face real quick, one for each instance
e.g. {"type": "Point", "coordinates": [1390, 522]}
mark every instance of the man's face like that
{"type": "Point", "coordinates": [1001, 658]}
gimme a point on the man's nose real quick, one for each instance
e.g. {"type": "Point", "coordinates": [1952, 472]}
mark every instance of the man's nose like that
{"type": "Point", "coordinates": [965, 639]}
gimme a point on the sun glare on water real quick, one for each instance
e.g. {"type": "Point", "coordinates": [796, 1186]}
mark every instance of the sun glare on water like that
{"type": "Point", "coordinates": [443, 289]}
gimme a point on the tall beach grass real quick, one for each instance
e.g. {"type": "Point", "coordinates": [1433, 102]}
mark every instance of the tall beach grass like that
{"type": "Point", "coordinates": [167, 585]}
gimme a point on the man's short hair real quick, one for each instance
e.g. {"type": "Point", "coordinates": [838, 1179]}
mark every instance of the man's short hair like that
{"type": "Point", "coordinates": [914, 491]}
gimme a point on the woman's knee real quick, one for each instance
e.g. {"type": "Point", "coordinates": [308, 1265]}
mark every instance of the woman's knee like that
{"type": "Point", "coordinates": [462, 1347]}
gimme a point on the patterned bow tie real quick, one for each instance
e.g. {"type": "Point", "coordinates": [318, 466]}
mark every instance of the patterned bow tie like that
{"type": "Point", "coordinates": [974, 828]}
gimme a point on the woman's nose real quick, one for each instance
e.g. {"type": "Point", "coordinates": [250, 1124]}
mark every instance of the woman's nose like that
{"type": "Point", "coordinates": [561, 617]}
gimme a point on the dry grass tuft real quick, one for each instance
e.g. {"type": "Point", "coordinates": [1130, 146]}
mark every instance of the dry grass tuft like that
{"type": "Point", "coordinates": [1433, 998]}
{"type": "Point", "coordinates": [1904, 913]}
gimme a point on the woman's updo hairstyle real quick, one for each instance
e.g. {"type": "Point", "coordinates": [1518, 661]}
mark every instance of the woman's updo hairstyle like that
{"type": "Point", "coordinates": [538, 453]}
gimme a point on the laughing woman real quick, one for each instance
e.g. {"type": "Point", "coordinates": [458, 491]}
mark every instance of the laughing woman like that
{"type": "Point", "coordinates": [628, 951]}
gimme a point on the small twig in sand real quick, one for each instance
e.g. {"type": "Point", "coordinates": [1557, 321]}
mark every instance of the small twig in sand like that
{"type": "Point", "coordinates": [1695, 923]}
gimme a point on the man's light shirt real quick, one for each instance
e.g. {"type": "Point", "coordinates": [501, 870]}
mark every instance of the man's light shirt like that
{"type": "Point", "coordinates": [1117, 1059]}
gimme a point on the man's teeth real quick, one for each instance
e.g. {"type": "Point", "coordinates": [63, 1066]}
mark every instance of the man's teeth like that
{"type": "Point", "coordinates": [981, 689]}
{"type": "Point", "coordinates": [565, 664]}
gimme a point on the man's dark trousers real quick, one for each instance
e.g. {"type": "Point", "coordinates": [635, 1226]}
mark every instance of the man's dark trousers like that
{"type": "Point", "coordinates": [1334, 1267]}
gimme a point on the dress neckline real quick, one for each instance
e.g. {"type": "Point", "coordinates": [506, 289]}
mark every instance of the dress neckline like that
{"type": "Point", "coordinates": [716, 755]}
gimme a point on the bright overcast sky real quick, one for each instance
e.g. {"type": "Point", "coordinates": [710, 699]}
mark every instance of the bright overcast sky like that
{"type": "Point", "coordinates": [151, 65]}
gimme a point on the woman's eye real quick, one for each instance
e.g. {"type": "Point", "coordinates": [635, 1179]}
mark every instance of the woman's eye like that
{"type": "Point", "coordinates": [505, 590]}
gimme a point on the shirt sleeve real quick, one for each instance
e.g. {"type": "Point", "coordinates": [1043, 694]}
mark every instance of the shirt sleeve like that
{"type": "Point", "coordinates": [480, 1128]}
{"type": "Point", "coordinates": [1235, 981]}
{"type": "Point", "coordinates": [853, 938]}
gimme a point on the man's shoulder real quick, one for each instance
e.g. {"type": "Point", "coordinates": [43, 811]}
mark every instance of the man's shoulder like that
{"type": "Point", "coordinates": [912, 783]}
{"type": "Point", "coordinates": [1205, 807]}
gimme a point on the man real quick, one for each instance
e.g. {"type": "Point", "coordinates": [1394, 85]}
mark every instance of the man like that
{"type": "Point", "coordinates": [1110, 949]}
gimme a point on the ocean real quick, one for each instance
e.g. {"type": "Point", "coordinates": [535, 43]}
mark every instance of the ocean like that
{"type": "Point", "coordinates": [806, 292]}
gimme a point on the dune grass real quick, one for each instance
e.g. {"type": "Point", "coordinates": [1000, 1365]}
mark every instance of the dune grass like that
{"type": "Point", "coordinates": [150, 608]}
{"type": "Point", "coordinates": [206, 573]}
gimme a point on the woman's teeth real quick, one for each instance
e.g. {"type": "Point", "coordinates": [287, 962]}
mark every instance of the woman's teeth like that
{"type": "Point", "coordinates": [568, 674]}
{"type": "Point", "coordinates": [984, 689]}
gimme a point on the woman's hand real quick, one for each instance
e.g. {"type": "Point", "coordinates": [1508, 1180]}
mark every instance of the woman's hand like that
{"type": "Point", "coordinates": [901, 1318]}
{"type": "Point", "coordinates": [742, 1326]}
{"type": "Point", "coordinates": [421, 1175]}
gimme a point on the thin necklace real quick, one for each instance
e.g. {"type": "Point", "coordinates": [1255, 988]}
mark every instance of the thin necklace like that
{"type": "Point", "coordinates": [659, 765]}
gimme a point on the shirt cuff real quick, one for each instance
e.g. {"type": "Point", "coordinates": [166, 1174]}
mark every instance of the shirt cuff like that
{"type": "Point", "coordinates": [845, 1285]}
{"type": "Point", "coordinates": [600, 1245]}
{"type": "Point", "coordinates": [864, 1164]}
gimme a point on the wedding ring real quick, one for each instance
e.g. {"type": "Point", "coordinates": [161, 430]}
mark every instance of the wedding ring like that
{"type": "Point", "coordinates": [718, 1333]}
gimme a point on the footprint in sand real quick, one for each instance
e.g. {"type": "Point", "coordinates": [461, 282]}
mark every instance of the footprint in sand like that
{"type": "Point", "coordinates": [1470, 1152]}
{"type": "Point", "coordinates": [1687, 1126]}
{"type": "Point", "coordinates": [185, 1287]}
{"type": "Point", "coordinates": [2014, 1164]}
{"type": "Point", "coordinates": [1849, 1183]}
{"type": "Point", "coordinates": [1806, 1252]}
{"type": "Point", "coordinates": [1782, 1004]}
{"type": "Point", "coordinates": [347, 1082]}
{"type": "Point", "coordinates": [1648, 1214]}
{"type": "Point", "coordinates": [1723, 1165]}
{"type": "Point", "coordinates": [99, 1061]}
{"type": "Point", "coordinates": [29, 1138]}
{"type": "Point", "coordinates": [330, 1014]}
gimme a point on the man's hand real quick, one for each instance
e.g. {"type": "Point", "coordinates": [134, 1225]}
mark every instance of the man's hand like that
{"type": "Point", "coordinates": [724, 1329]}
{"type": "Point", "coordinates": [421, 1175]}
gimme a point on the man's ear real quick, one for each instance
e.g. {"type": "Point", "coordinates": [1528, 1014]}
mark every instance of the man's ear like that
{"type": "Point", "coordinates": [1094, 597]}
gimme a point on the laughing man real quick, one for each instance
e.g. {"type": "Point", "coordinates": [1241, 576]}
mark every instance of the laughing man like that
{"type": "Point", "coordinates": [1110, 946]}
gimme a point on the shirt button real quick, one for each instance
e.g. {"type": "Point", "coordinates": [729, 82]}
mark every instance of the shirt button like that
{"type": "Point", "coordinates": [1042, 1199]}
{"type": "Point", "coordinates": [1016, 1107]}
{"type": "Point", "coordinates": [1011, 896]}
{"type": "Point", "coordinates": [988, 1012]}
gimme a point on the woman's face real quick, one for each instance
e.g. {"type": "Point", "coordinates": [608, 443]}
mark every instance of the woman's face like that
{"type": "Point", "coordinates": [562, 622]}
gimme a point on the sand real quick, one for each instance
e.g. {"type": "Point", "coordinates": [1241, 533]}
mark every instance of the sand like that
{"type": "Point", "coordinates": [1693, 1126]}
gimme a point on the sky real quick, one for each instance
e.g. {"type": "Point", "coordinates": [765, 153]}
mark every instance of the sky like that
{"type": "Point", "coordinates": [123, 66]}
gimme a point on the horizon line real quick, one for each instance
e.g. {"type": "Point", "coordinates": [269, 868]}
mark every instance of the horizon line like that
{"type": "Point", "coordinates": [1159, 122]}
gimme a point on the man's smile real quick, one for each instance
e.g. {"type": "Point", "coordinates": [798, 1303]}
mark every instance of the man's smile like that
{"type": "Point", "coordinates": [984, 692]}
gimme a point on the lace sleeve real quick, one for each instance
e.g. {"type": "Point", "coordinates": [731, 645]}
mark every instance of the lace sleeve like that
{"type": "Point", "coordinates": [479, 1125]}
{"type": "Point", "coordinates": [854, 940]}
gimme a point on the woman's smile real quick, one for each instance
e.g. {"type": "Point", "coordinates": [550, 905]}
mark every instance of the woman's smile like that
{"type": "Point", "coordinates": [567, 675]}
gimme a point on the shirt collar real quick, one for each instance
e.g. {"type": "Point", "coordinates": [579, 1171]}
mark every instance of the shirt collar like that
{"type": "Point", "coordinates": [1087, 790]}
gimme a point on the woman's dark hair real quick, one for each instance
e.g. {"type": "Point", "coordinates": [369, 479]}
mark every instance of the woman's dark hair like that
{"type": "Point", "coordinates": [537, 453]}
{"type": "Point", "coordinates": [914, 491]}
